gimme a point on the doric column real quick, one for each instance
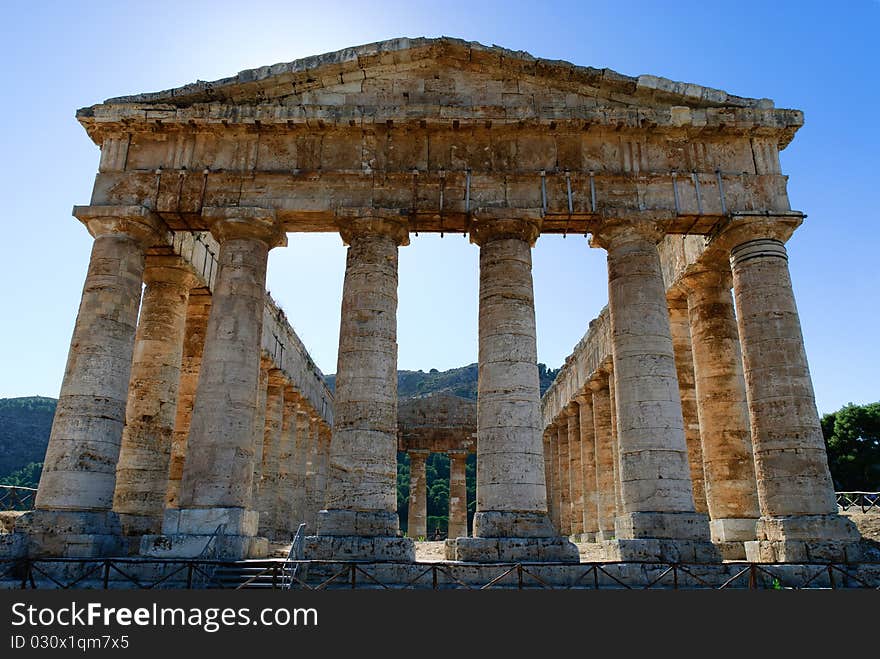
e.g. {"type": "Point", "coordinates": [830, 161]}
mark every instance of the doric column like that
{"type": "Point", "coordinates": [575, 470]}
{"type": "Point", "coordinates": [217, 479]}
{"type": "Point", "coordinates": [361, 495]}
{"type": "Point", "coordinates": [145, 452]}
{"type": "Point", "coordinates": [322, 469]}
{"type": "Point", "coordinates": [299, 503]}
{"type": "Point", "coordinates": [79, 472]}
{"type": "Point", "coordinates": [283, 524]}
{"type": "Point", "coordinates": [615, 446]}
{"type": "Point", "coordinates": [684, 367]}
{"type": "Point", "coordinates": [267, 493]}
{"type": "Point", "coordinates": [457, 495]}
{"type": "Point", "coordinates": [589, 517]}
{"type": "Point", "coordinates": [564, 474]}
{"type": "Point", "coordinates": [511, 520]}
{"type": "Point", "coordinates": [605, 506]}
{"type": "Point", "coordinates": [417, 521]}
{"type": "Point", "coordinates": [197, 310]}
{"type": "Point", "coordinates": [729, 465]}
{"type": "Point", "coordinates": [550, 461]}
{"type": "Point", "coordinates": [260, 425]}
{"type": "Point", "coordinates": [658, 519]}
{"type": "Point", "coordinates": [313, 497]}
{"type": "Point", "coordinates": [799, 519]}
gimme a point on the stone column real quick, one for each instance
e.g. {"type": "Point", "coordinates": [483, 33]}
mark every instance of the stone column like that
{"type": "Point", "coordinates": [511, 522]}
{"type": "Point", "coordinates": [684, 368]}
{"type": "Point", "coordinates": [267, 492]}
{"type": "Point", "coordinates": [658, 520]}
{"type": "Point", "coordinates": [361, 496]}
{"type": "Point", "coordinates": [217, 480]}
{"type": "Point", "coordinates": [575, 470]}
{"type": "Point", "coordinates": [73, 504]}
{"type": "Point", "coordinates": [322, 470]}
{"type": "Point", "coordinates": [550, 461]}
{"type": "Point", "coordinates": [729, 465]}
{"type": "Point", "coordinates": [260, 425]}
{"type": "Point", "coordinates": [283, 525]}
{"type": "Point", "coordinates": [457, 495]}
{"type": "Point", "coordinates": [313, 497]}
{"type": "Point", "coordinates": [799, 520]}
{"type": "Point", "coordinates": [418, 497]}
{"type": "Point", "coordinates": [564, 473]}
{"type": "Point", "coordinates": [197, 311]}
{"type": "Point", "coordinates": [588, 467]}
{"type": "Point", "coordinates": [145, 452]}
{"type": "Point", "coordinates": [615, 446]}
{"type": "Point", "coordinates": [300, 466]}
{"type": "Point", "coordinates": [605, 506]}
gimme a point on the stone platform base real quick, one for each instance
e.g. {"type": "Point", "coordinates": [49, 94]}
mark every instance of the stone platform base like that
{"type": "Point", "coordinates": [732, 551]}
{"type": "Point", "coordinates": [71, 534]}
{"type": "Point", "coordinates": [659, 550]}
{"type": "Point", "coordinates": [191, 545]}
{"type": "Point", "coordinates": [584, 537]}
{"type": "Point", "coordinates": [359, 548]}
{"type": "Point", "coordinates": [505, 550]}
{"type": "Point", "coordinates": [12, 545]}
{"type": "Point", "coordinates": [802, 551]}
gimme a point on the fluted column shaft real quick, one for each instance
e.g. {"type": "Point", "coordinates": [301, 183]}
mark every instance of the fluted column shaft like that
{"type": "Point", "coordinates": [273, 428]}
{"type": "Point", "coordinates": [299, 504]}
{"type": "Point", "coordinates": [260, 425]}
{"type": "Point", "coordinates": [731, 488]}
{"type": "Point", "coordinates": [615, 446]}
{"type": "Point", "coordinates": [457, 495]}
{"type": "Point", "coordinates": [550, 463]}
{"type": "Point", "coordinates": [418, 498]}
{"type": "Point", "coordinates": [564, 475]}
{"type": "Point", "coordinates": [145, 452]}
{"type": "Point", "coordinates": [605, 508]}
{"type": "Point", "coordinates": [284, 490]}
{"type": "Point", "coordinates": [575, 473]}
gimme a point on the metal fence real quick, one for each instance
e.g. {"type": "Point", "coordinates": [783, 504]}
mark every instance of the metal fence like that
{"type": "Point", "coordinates": [106, 574]}
{"type": "Point", "coordinates": [867, 502]}
{"type": "Point", "coordinates": [13, 497]}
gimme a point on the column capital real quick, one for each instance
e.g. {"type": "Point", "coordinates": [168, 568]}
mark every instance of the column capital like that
{"type": "Point", "coordinates": [457, 453]}
{"type": "Point", "coordinates": [357, 223]}
{"type": "Point", "coordinates": [618, 230]}
{"type": "Point", "coordinates": [571, 409]}
{"type": "Point", "coordinates": [277, 378]}
{"type": "Point", "coordinates": [584, 397]}
{"type": "Point", "coordinates": [698, 277]}
{"type": "Point", "coordinates": [600, 379]}
{"type": "Point", "coordinates": [490, 224]}
{"type": "Point", "coordinates": [168, 269]}
{"type": "Point", "coordinates": [248, 222]}
{"type": "Point", "coordinates": [742, 228]}
{"type": "Point", "coordinates": [138, 222]}
{"type": "Point", "coordinates": [418, 453]}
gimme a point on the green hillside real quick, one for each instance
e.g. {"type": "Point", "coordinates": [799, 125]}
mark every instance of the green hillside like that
{"type": "Point", "coordinates": [25, 424]}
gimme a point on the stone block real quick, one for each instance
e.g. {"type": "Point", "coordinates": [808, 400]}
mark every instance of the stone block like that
{"type": "Point", "coordinates": [190, 545]}
{"type": "Point", "coordinates": [356, 548]}
{"type": "Point", "coordinates": [511, 550]}
{"type": "Point", "coordinates": [345, 523]}
{"type": "Point", "coordinates": [660, 550]}
{"type": "Point", "coordinates": [803, 551]}
{"type": "Point", "coordinates": [731, 551]}
{"type": "Point", "coordinates": [204, 521]}
{"type": "Point", "coordinates": [733, 530]}
{"type": "Point", "coordinates": [679, 526]}
{"type": "Point", "coordinates": [501, 524]}
{"type": "Point", "coordinates": [808, 528]}
{"type": "Point", "coordinates": [12, 546]}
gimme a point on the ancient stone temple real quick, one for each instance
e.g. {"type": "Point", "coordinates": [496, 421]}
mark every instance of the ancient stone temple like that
{"type": "Point", "coordinates": [683, 426]}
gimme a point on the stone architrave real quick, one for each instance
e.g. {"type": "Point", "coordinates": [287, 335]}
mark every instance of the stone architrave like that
{"type": "Point", "coordinates": [72, 515]}
{"type": "Point", "coordinates": [145, 453]}
{"type": "Point", "coordinates": [216, 489]}
{"type": "Point", "coordinates": [360, 520]}
{"type": "Point", "coordinates": [457, 495]}
{"type": "Point", "coordinates": [658, 520]}
{"type": "Point", "coordinates": [589, 519]}
{"type": "Point", "coordinates": [417, 522]}
{"type": "Point", "coordinates": [197, 311]}
{"type": "Point", "coordinates": [511, 521]}
{"type": "Point", "coordinates": [799, 519]}
{"type": "Point", "coordinates": [729, 466]}
{"type": "Point", "coordinates": [684, 367]}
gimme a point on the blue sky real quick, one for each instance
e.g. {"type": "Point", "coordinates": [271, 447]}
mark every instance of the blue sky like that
{"type": "Point", "coordinates": [819, 57]}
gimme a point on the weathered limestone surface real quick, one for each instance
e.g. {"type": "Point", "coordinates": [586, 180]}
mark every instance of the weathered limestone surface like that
{"type": "Point", "coordinates": [267, 497]}
{"type": "Point", "coordinates": [656, 492]}
{"type": "Point", "coordinates": [144, 456]}
{"type": "Point", "coordinates": [575, 473]}
{"type": "Point", "coordinates": [361, 493]}
{"type": "Point", "coordinates": [197, 311]}
{"type": "Point", "coordinates": [511, 519]}
{"type": "Point", "coordinates": [299, 469]}
{"type": "Point", "coordinates": [587, 430]}
{"type": "Point", "coordinates": [731, 490]}
{"type": "Point", "coordinates": [260, 426]}
{"type": "Point", "coordinates": [564, 475]}
{"type": "Point", "coordinates": [605, 511]}
{"type": "Point", "coordinates": [799, 519]}
{"type": "Point", "coordinates": [457, 495]}
{"type": "Point", "coordinates": [79, 474]}
{"type": "Point", "coordinates": [418, 499]}
{"type": "Point", "coordinates": [283, 524]}
{"type": "Point", "coordinates": [684, 367]}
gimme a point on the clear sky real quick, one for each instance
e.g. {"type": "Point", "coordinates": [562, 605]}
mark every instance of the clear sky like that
{"type": "Point", "coordinates": [820, 57]}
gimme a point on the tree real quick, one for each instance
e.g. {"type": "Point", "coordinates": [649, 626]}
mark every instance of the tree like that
{"type": "Point", "coordinates": [852, 439]}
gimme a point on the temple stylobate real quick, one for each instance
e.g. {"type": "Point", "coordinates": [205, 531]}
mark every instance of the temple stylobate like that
{"type": "Point", "coordinates": [683, 428]}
